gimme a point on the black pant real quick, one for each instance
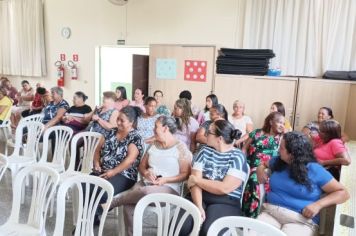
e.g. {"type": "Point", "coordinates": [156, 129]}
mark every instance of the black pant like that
{"type": "Point", "coordinates": [26, 113]}
{"type": "Point", "coordinates": [120, 184]}
{"type": "Point", "coordinates": [215, 206]}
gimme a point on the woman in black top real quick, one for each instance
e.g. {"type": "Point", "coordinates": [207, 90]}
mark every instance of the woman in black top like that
{"type": "Point", "coordinates": [77, 117]}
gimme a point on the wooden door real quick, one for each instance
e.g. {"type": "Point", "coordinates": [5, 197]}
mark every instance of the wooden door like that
{"type": "Point", "coordinates": [140, 73]}
{"type": "Point", "coordinates": [316, 93]}
{"type": "Point", "coordinates": [258, 93]}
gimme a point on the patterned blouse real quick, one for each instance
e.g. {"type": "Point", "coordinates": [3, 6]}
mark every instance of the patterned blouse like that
{"type": "Point", "coordinates": [96, 127]}
{"type": "Point", "coordinates": [114, 152]}
{"type": "Point", "coordinates": [50, 111]}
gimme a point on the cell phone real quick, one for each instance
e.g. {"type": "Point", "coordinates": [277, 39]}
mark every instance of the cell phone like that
{"type": "Point", "coordinates": [158, 176]}
{"type": "Point", "coordinates": [96, 172]}
{"type": "Point", "coordinates": [347, 221]}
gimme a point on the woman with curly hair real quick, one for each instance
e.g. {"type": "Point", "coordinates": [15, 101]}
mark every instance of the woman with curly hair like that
{"type": "Point", "coordinates": [261, 146]}
{"type": "Point", "coordinates": [297, 184]}
{"type": "Point", "coordinates": [187, 125]}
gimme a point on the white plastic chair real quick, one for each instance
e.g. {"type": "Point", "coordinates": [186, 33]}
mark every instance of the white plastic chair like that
{"type": "Point", "coordinates": [30, 147]}
{"type": "Point", "coordinates": [168, 208]}
{"type": "Point", "coordinates": [88, 203]}
{"type": "Point", "coordinates": [5, 128]}
{"type": "Point", "coordinates": [62, 136]}
{"type": "Point", "coordinates": [3, 166]}
{"type": "Point", "coordinates": [90, 143]}
{"type": "Point", "coordinates": [248, 225]}
{"type": "Point", "coordinates": [44, 182]}
{"type": "Point", "coordinates": [36, 117]}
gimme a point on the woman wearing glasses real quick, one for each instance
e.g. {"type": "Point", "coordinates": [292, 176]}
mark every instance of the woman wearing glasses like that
{"type": "Point", "coordinates": [217, 177]}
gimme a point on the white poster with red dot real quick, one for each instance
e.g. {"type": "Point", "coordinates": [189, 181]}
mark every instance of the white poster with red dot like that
{"type": "Point", "coordinates": [195, 70]}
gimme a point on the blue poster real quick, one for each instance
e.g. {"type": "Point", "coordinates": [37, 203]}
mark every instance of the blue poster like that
{"type": "Point", "coordinates": [166, 68]}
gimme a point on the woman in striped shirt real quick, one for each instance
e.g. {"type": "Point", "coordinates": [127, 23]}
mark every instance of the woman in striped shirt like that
{"type": "Point", "coordinates": [218, 173]}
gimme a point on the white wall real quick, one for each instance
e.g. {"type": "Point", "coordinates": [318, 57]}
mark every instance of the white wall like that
{"type": "Point", "coordinates": [98, 22]}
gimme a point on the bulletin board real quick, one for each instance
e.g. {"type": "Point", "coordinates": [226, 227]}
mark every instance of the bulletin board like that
{"type": "Point", "coordinates": [174, 68]}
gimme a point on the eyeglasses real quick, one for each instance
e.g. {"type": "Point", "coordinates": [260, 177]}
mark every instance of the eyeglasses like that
{"type": "Point", "coordinates": [209, 132]}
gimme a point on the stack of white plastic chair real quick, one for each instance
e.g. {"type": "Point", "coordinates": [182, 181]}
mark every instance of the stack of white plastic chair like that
{"type": "Point", "coordinates": [61, 136]}
{"type": "Point", "coordinates": [29, 146]}
{"type": "Point", "coordinates": [44, 183]}
{"type": "Point", "coordinates": [172, 211]}
{"type": "Point", "coordinates": [88, 206]}
{"type": "Point", "coordinates": [235, 224]}
{"type": "Point", "coordinates": [10, 143]}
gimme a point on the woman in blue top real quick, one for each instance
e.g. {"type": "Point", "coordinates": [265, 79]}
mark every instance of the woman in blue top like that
{"type": "Point", "coordinates": [218, 173]}
{"type": "Point", "coordinates": [297, 184]}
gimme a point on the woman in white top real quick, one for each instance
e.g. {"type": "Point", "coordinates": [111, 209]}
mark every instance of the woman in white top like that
{"type": "Point", "coordinates": [25, 96]}
{"type": "Point", "coordinates": [241, 121]}
{"type": "Point", "coordinates": [164, 167]}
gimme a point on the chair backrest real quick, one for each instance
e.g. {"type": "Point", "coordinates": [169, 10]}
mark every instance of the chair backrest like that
{"type": "Point", "coordinates": [62, 136]}
{"type": "Point", "coordinates": [235, 223]}
{"type": "Point", "coordinates": [33, 130]}
{"type": "Point", "coordinates": [44, 184]}
{"type": "Point", "coordinates": [90, 190]}
{"type": "Point", "coordinates": [171, 210]}
{"type": "Point", "coordinates": [36, 117]}
{"type": "Point", "coordinates": [3, 165]}
{"type": "Point", "coordinates": [245, 183]}
{"type": "Point", "coordinates": [90, 142]}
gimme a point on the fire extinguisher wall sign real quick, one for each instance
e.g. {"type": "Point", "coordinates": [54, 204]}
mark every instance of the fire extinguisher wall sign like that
{"type": "Point", "coordinates": [60, 73]}
{"type": "Point", "coordinates": [73, 70]}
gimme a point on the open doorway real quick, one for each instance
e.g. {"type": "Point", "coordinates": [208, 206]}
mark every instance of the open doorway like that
{"type": "Point", "coordinates": [121, 66]}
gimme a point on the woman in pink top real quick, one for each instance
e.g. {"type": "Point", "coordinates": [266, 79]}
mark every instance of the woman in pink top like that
{"type": "Point", "coordinates": [332, 153]}
{"type": "Point", "coordinates": [138, 100]}
{"type": "Point", "coordinates": [121, 101]}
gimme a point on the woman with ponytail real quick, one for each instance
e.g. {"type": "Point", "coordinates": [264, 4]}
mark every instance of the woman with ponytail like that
{"type": "Point", "coordinates": [217, 177]}
{"type": "Point", "coordinates": [118, 154]}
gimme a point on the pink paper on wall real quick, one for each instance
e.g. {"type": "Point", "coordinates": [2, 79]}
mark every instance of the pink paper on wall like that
{"type": "Point", "coordinates": [195, 70]}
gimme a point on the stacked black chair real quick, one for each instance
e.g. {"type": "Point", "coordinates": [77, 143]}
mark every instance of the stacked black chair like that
{"type": "Point", "coordinates": [243, 61]}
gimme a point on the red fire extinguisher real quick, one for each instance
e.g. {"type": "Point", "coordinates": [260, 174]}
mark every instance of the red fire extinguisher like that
{"type": "Point", "coordinates": [60, 73]}
{"type": "Point", "coordinates": [73, 70]}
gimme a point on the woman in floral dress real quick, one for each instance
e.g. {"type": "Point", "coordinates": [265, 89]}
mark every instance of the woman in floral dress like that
{"type": "Point", "coordinates": [261, 146]}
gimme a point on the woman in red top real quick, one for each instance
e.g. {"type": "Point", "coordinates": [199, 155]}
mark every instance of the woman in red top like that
{"type": "Point", "coordinates": [332, 153]}
{"type": "Point", "coordinates": [37, 103]}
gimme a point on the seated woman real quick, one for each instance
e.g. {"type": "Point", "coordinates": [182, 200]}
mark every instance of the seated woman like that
{"type": "Point", "coordinates": [278, 106]}
{"type": "Point", "coordinates": [77, 115]}
{"type": "Point", "coordinates": [297, 185]}
{"type": "Point", "coordinates": [56, 109]}
{"type": "Point", "coordinates": [121, 98]}
{"type": "Point", "coordinates": [25, 97]}
{"type": "Point", "coordinates": [161, 108]}
{"type": "Point", "coordinates": [332, 152]}
{"type": "Point", "coordinates": [312, 128]}
{"type": "Point", "coordinates": [204, 115]}
{"type": "Point", "coordinates": [11, 91]}
{"type": "Point", "coordinates": [218, 173]}
{"type": "Point", "coordinates": [164, 167]}
{"type": "Point", "coordinates": [118, 155]}
{"type": "Point", "coordinates": [187, 125]}
{"type": "Point", "coordinates": [261, 146]}
{"type": "Point", "coordinates": [217, 112]}
{"type": "Point", "coordinates": [138, 100]}
{"type": "Point", "coordinates": [241, 122]}
{"type": "Point", "coordinates": [146, 122]}
{"type": "Point", "coordinates": [104, 119]}
{"type": "Point", "coordinates": [5, 105]}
